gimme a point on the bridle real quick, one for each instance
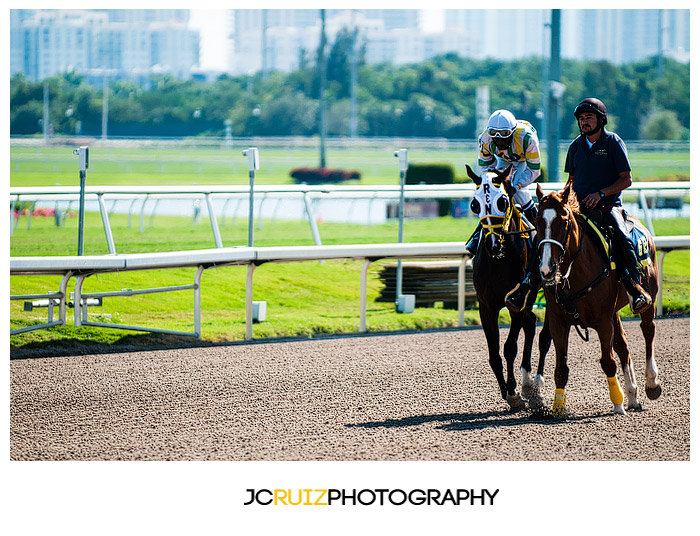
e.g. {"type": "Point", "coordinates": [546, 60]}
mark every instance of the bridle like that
{"type": "Point", "coordinates": [501, 224]}
{"type": "Point", "coordinates": [563, 246]}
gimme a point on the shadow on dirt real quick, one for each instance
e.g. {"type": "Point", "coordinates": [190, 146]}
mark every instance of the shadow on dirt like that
{"type": "Point", "coordinates": [476, 421]}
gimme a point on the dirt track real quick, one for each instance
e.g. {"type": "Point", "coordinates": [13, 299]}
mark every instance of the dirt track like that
{"type": "Point", "coordinates": [424, 396]}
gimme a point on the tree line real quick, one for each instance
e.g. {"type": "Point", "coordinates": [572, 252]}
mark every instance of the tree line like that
{"type": "Point", "coordinates": [433, 98]}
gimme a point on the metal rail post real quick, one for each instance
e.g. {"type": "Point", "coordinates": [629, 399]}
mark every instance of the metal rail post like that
{"type": "Point", "coordinates": [404, 304]}
{"type": "Point", "coordinates": [253, 164]}
{"type": "Point", "coordinates": [249, 302]}
{"type": "Point", "coordinates": [106, 225]}
{"type": "Point", "coordinates": [84, 161]}
{"type": "Point", "coordinates": [212, 219]}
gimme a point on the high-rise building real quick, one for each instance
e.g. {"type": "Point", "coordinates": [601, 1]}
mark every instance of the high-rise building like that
{"type": "Point", "coordinates": [500, 33]}
{"type": "Point", "coordinates": [122, 43]}
{"type": "Point", "coordinates": [625, 35]}
{"type": "Point", "coordinates": [389, 35]}
{"type": "Point", "coordinates": [615, 35]}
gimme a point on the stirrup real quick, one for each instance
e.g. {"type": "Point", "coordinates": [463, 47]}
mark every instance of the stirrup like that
{"type": "Point", "coordinates": [516, 299]}
{"type": "Point", "coordinates": [641, 302]}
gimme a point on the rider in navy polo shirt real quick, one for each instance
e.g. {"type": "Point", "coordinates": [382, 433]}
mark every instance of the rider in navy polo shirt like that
{"type": "Point", "coordinates": [598, 165]}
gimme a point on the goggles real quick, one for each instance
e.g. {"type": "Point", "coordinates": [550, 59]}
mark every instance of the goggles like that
{"type": "Point", "coordinates": [500, 133]}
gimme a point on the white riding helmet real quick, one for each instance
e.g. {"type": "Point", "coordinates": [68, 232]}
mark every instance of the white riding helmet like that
{"type": "Point", "coordinates": [501, 124]}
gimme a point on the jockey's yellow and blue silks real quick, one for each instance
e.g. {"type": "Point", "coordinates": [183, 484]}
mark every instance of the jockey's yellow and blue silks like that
{"type": "Point", "coordinates": [524, 148]}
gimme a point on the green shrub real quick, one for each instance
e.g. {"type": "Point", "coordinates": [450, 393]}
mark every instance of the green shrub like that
{"type": "Point", "coordinates": [323, 175]}
{"type": "Point", "coordinates": [436, 173]}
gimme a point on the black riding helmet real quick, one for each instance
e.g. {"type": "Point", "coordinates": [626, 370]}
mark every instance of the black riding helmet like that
{"type": "Point", "coordinates": [595, 106]}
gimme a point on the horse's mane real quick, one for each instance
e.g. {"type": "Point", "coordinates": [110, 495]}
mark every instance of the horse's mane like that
{"type": "Point", "coordinates": [571, 201]}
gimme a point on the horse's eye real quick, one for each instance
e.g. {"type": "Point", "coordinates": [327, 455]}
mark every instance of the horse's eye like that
{"type": "Point", "coordinates": [502, 203]}
{"type": "Point", "coordinates": [475, 206]}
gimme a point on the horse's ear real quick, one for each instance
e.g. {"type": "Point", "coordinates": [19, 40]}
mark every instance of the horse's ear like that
{"type": "Point", "coordinates": [498, 179]}
{"type": "Point", "coordinates": [473, 176]}
{"type": "Point", "coordinates": [566, 192]}
{"type": "Point", "coordinates": [540, 192]}
{"type": "Point", "coordinates": [509, 186]}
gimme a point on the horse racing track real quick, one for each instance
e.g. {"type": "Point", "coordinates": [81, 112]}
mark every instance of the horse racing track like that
{"type": "Point", "coordinates": [417, 396]}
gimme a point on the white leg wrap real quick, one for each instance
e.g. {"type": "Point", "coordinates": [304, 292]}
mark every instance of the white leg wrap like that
{"type": "Point", "coordinates": [631, 388]}
{"type": "Point", "coordinates": [539, 384]}
{"type": "Point", "coordinates": [652, 373]}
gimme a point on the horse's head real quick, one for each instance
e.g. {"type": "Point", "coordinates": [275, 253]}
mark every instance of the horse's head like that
{"type": "Point", "coordinates": [555, 222]}
{"type": "Point", "coordinates": [493, 206]}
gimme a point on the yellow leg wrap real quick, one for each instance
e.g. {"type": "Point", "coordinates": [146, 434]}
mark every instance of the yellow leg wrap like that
{"type": "Point", "coordinates": [615, 391]}
{"type": "Point", "coordinates": [559, 407]}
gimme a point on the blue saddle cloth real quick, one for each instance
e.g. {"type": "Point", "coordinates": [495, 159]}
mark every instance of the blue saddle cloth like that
{"type": "Point", "coordinates": [641, 247]}
{"type": "Point", "coordinates": [639, 239]}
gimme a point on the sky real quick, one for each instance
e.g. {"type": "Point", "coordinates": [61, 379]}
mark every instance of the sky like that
{"type": "Point", "coordinates": [214, 26]}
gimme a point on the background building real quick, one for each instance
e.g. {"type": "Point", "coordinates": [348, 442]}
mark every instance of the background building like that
{"type": "Point", "coordinates": [123, 43]}
{"type": "Point", "coordinates": [625, 35]}
{"type": "Point", "coordinates": [134, 43]}
{"type": "Point", "coordinates": [389, 35]}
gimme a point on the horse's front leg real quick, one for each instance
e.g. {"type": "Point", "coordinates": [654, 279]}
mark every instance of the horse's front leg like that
{"type": "Point", "coordinates": [560, 336]}
{"type": "Point", "coordinates": [607, 362]}
{"type": "Point", "coordinates": [489, 323]}
{"type": "Point", "coordinates": [536, 400]}
{"type": "Point", "coordinates": [510, 352]}
{"type": "Point", "coordinates": [529, 326]}
{"type": "Point", "coordinates": [652, 385]}
{"type": "Point", "coordinates": [622, 350]}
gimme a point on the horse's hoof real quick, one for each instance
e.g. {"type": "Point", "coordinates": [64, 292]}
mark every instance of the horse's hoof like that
{"type": "Point", "coordinates": [535, 403]}
{"type": "Point", "coordinates": [635, 407]}
{"type": "Point", "coordinates": [618, 410]}
{"type": "Point", "coordinates": [653, 392]}
{"type": "Point", "coordinates": [559, 410]}
{"type": "Point", "coordinates": [515, 402]}
{"type": "Point", "coordinates": [559, 406]}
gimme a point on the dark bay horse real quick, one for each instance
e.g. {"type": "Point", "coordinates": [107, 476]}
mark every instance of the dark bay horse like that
{"type": "Point", "coordinates": [582, 289]}
{"type": "Point", "coordinates": [498, 266]}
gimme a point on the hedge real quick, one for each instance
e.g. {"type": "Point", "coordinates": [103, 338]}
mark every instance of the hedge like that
{"type": "Point", "coordinates": [323, 175]}
{"type": "Point", "coordinates": [437, 173]}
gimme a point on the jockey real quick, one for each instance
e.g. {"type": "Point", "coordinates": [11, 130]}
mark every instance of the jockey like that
{"type": "Point", "coordinates": [507, 141]}
{"type": "Point", "coordinates": [599, 169]}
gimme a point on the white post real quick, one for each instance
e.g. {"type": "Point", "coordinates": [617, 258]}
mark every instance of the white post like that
{"type": "Point", "coordinates": [249, 302]}
{"type": "Point", "coordinates": [212, 219]}
{"type": "Point", "coordinates": [363, 296]}
{"type": "Point", "coordinates": [404, 303]}
{"type": "Point", "coordinates": [198, 302]}
{"type": "Point", "coordinates": [106, 225]}
{"type": "Point", "coordinates": [660, 293]}
{"type": "Point", "coordinates": [253, 164]}
{"type": "Point", "coordinates": [461, 279]}
{"type": "Point", "coordinates": [84, 162]}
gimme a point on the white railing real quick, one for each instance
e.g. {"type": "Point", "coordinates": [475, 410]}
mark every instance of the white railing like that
{"type": "Point", "coordinates": [82, 267]}
{"type": "Point", "coordinates": [308, 193]}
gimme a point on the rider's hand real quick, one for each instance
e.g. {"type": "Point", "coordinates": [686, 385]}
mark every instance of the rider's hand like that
{"type": "Point", "coordinates": [591, 200]}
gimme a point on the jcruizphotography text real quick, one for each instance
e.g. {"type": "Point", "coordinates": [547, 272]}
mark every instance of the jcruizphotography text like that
{"type": "Point", "coordinates": [367, 497]}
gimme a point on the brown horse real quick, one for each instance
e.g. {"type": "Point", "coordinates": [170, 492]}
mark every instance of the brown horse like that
{"type": "Point", "coordinates": [499, 266]}
{"type": "Point", "coordinates": [582, 289]}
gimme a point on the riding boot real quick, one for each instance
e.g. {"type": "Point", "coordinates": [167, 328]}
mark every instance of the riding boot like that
{"type": "Point", "coordinates": [530, 214]}
{"type": "Point", "coordinates": [631, 278]}
{"type": "Point", "coordinates": [516, 299]}
{"type": "Point", "coordinates": [473, 241]}
{"type": "Point", "coordinates": [641, 300]}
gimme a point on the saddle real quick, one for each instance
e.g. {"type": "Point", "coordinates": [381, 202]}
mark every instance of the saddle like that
{"type": "Point", "coordinates": [605, 233]}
